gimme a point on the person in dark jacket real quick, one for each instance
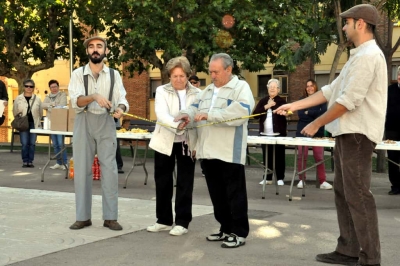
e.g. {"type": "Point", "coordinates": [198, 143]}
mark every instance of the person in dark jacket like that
{"type": "Point", "coordinates": [306, 116]}
{"type": "Point", "coordinates": [392, 130]}
{"type": "Point", "coordinates": [272, 124]}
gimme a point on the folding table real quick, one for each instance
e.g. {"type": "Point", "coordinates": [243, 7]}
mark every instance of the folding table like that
{"type": "Point", "coordinates": [299, 141]}
{"type": "Point", "coordinates": [268, 141]}
{"type": "Point", "coordinates": [136, 138]}
{"type": "Point", "coordinates": [47, 132]}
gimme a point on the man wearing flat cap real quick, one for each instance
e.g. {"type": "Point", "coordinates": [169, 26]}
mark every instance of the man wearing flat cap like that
{"type": "Point", "coordinates": [96, 91]}
{"type": "Point", "coordinates": [357, 101]}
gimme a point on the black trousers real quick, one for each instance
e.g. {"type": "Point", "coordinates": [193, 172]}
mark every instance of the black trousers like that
{"type": "Point", "coordinates": [120, 162]}
{"type": "Point", "coordinates": [280, 160]}
{"type": "Point", "coordinates": [226, 184]}
{"type": "Point", "coordinates": [163, 175]}
{"type": "Point", "coordinates": [394, 170]}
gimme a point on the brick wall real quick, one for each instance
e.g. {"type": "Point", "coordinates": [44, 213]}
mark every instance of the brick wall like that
{"type": "Point", "coordinates": [3, 129]}
{"type": "Point", "coordinates": [297, 82]}
{"type": "Point", "coordinates": [137, 93]}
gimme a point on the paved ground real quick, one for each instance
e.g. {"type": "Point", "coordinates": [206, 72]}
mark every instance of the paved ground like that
{"type": "Point", "coordinates": [34, 220]}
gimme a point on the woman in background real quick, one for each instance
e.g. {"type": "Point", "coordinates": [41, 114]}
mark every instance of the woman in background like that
{"type": "Point", "coordinates": [56, 98]}
{"type": "Point", "coordinates": [27, 103]}
{"type": "Point", "coordinates": [306, 116]}
{"type": "Point", "coordinates": [272, 124]}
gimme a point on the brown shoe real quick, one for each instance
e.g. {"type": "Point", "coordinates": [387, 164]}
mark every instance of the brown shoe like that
{"type": "Point", "coordinates": [80, 224]}
{"type": "Point", "coordinates": [337, 258]}
{"type": "Point", "coordinates": [112, 224]}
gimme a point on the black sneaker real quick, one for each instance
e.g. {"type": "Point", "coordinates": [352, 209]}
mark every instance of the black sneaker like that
{"type": "Point", "coordinates": [337, 258]}
{"type": "Point", "coordinates": [233, 241]}
{"type": "Point", "coordinates": [120, 171]}
{"type": "Point", "coordinates": [217, 237]}
{"type": "Point", "coordinates": [25, 165]}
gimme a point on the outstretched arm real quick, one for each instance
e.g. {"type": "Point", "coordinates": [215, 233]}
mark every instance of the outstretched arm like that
{"type": "Point", "coordinates": [315, 99]}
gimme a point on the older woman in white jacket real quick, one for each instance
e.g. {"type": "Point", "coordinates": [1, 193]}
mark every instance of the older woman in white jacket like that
{"type": "Point", "coordinates": [172, 145]}
{"type": "Point", "coordinates": [27, 103]}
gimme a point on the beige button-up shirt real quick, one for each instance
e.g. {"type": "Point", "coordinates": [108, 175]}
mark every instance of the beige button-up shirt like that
{"type": "Point", "coordinates": [102, 85]}
{"type": "Point", "coordinates": [361, 87]}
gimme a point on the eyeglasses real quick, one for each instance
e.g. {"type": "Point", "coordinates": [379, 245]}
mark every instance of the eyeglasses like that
{"type": "Point", "coordinates": [194, 82]}
{"type": "Point", "coordinates": [29, 86]}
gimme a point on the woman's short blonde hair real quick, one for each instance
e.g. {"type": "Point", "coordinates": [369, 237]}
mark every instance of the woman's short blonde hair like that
{"type": "Point", "coordinates": [181, 62]}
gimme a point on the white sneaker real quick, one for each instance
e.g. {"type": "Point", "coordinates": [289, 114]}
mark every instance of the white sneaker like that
{"type": "Point", "coordinates": [62, 167]}
{"type": "Point", "coordinates": [325, 186]}
{"type": "Point", "coordinates": [178, 230]}
{"type": "Point", "coordinates": [158, 227]}
{"type": "Point", "coordinates": [300, 184]}
{"type": "Point", "coordinates": [56, 166]}
{"type": "Point", "coordinates": [268, 182]}
{"type": "Point", "coordinates": [280, 183]}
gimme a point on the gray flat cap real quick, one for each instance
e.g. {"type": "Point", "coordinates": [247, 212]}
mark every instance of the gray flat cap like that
{"type": "Point", "coordinates": [86, 42]}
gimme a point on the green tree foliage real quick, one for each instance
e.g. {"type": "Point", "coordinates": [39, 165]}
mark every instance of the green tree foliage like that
{"type": "Point", "coordinates": [263, 31]}
{"type": "Point", "coordinates": [34, 33]}
{"type": "Point", "coordinates": [392, 7]}
{"type": "Point", "coordinates": [319, 25]}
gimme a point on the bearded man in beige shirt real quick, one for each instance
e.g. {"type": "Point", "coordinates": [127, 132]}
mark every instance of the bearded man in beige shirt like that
{"type": "Point", "coordinates": [355, 116]}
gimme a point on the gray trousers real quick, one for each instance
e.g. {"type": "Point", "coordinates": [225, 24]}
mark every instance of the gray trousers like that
{"type": "Point", "coordinates": [95, 134]}
{"type": "Point", "coordinates": [355, 204]}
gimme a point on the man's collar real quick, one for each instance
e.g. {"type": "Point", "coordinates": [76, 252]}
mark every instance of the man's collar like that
{"type": "Point", "coordinates": [88, 70]}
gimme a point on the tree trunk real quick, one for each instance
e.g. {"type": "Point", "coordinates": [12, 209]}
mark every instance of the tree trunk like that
{"type": "Point", "coordinates": [341, 41]}
{"type": "Point", "coordinates": [164, 75]}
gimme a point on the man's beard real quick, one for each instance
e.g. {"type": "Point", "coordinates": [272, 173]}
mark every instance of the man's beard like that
{"type": "Point", "coordinates": [96, 60]}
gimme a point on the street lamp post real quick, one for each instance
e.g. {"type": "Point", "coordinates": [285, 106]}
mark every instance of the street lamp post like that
{"type": "Point", "coordinates": [71, 53]}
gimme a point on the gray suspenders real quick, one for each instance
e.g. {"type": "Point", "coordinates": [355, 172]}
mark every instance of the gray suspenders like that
{"type": "Point", "coordinates": [86, 82]}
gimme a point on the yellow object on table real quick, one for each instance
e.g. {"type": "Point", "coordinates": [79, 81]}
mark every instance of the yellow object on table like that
{"type": "Point", "coordinates": [139, 130]}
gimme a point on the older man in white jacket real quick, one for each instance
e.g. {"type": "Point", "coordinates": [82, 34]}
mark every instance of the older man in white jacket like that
{"type": "Point", "coordinates": [222, 147]}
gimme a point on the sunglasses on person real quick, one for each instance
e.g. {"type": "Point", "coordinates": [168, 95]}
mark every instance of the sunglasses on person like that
{"type": "Point", "coordinates": [194, 82]}
{"type": "Point", "coordinates": [29, 86]}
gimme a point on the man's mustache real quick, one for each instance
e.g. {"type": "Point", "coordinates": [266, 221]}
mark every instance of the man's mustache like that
{"type": "Point", "coordinates": [94, 53]}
